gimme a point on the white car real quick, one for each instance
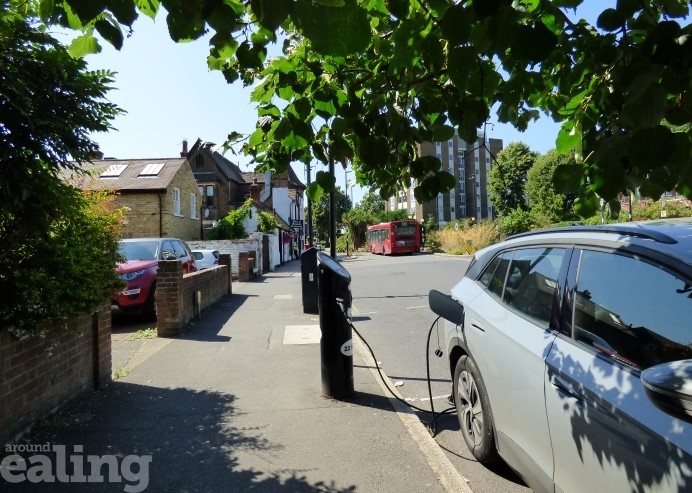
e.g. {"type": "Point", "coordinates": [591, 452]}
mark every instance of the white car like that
{"type": "Point", "coordinates": [206, 258]}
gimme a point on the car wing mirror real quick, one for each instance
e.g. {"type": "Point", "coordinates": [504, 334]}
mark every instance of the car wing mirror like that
{"type": "Point", "coordinates": [446, 307]}
{"type": "Point", "coordinates": [669, 387]}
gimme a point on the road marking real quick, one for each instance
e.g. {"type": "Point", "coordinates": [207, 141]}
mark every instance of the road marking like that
{"type": "Point", "coordinates": [450, 478]}
{"type": "Point", "coordinates": [426, 399]}
{"type": "Point", "coordinates": [416, 307]}
{"type": "Point", "coordinates": [283, 296]}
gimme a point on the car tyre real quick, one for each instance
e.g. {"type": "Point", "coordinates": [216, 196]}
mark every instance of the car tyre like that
{"type": "Point", "coordinates": [473, 411]}
{"type": "Point", "coordinates": [149, 311]}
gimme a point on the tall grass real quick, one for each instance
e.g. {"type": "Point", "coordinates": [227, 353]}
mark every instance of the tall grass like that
{"type": "Point", "coordinates": [455, 242]}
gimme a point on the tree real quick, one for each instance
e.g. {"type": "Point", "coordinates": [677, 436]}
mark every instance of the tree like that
{"type": "Point", "coordinates": [358, 219]}
{"type": "Point", "coordinates": [366, 81]}
{"type": "Point", "coordinates": [320, 213]}
{"type": "Point", "coordinates": [58, 246]}
{"type": "Point", "coordinates": [543, 200]}
{"type": "Point", "coordinates": [372, 204]}
{"type": "Point", "coordinates": [507, 178]}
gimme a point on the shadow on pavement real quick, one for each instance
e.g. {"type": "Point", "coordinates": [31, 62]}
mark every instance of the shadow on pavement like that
{"type": "Point", "coordinates": [190, 436]}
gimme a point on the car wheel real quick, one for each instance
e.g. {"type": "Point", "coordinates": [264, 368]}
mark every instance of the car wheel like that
{"type": "Point", "coordinates": [473, 411]}
{"type": "Point", "coordinates": [149, 312]}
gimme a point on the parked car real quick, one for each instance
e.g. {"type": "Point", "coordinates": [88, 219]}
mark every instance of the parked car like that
{"type": "Point", "coordinates": [142, 256]}
{"type": "Point", "coordinates": [570, 352]}
{"type": "Point", "coordinates": [206, 258]}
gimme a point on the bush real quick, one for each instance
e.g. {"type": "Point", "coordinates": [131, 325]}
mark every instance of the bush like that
{"type": "Point", "coordinates": [517, 221]}
{"type": "Point", "coordinates": [455, 241]}
{"type": "Point", "coordinates": [69, 272]}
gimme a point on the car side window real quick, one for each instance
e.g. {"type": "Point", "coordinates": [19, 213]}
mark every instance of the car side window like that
{"type": "Point", "coordinates": [631, 310]}
{"type": "Point", "coordinates": [168, 251]}
{"type": "Point", "coordinates": [494, 275]}
{"type": "Point", "coordinates": [180, 251]}
{"type": "Point", "coordinates": [532, 281]}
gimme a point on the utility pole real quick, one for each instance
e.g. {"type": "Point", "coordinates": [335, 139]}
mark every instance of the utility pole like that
{"type": "Point", "coordinates": [311, 239]}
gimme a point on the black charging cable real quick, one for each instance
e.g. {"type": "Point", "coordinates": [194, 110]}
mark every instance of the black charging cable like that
{"type": "Point", "coordinates": [432, 428]}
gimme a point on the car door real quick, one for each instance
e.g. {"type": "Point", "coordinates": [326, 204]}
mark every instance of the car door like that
{"type": "Point", "coordinates": [627, 314]}
{"type": "Point", "coordinates": [508, 336]}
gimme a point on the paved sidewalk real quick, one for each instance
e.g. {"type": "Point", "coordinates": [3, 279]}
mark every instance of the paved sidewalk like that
{"type": "Point", "coordinates": [235, 405]}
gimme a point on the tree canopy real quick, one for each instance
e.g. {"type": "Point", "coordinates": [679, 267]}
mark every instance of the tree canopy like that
{"type": "Point", "coordinates": [507, 178]}
{"type": "Point", "coordinates": [365, 81]}
{"type": "Point", "coordinates": [58, 245]}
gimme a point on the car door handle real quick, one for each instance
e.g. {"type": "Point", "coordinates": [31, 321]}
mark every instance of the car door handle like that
{"type": "Point", "coordinates": [565, 387]}
{"type": "Point", "coordinates": [477, 327]}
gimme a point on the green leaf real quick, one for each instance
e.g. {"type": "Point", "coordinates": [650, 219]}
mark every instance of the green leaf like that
{"type": "Point", "coordinates": [314, 191]}
{"type": "Point", "coordinates": [271, 13]}
{"type": "Point", "coordinates": [184, 28]}
{"type": "Point", "coordinates": [123, 10]}
{"type": "Point", "coordinates": [443, 133]}
{"type": "Point", "coordinates": [567, 178]}
{"type": "Point", "coordinates": [84, 45]}
{"type": "Point", "coordinates": [568, 139]}
{"type": "Point", "coordinates": [337, 31]}
{"type": "Point", "coordinates": [533, 43]}
{"type": "Point", "coordinates": [374, 151]}
{"type": "Point", "coordinates": [110, 33]}
{"type": "Point", "coordinates": [462, 60]}
{"type": "Point", "coordinates": [325, 180]}
{"type": "Point", "coordinates": [456, 24]}
{"type": "Point", "coordinates": [86, 10]}
{"type": "Point", "coordinates": [646, 109]}
{"type": "Point", "coordinates": [148, 7]}
{"type": "Point", "coordinates": [650, 148]}
{"type": "Point", "coordinates": [610, 20]}
{"type": "Point", "coordinates": [587, 204]}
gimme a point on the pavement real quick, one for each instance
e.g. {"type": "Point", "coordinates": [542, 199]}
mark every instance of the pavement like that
{"type": "Point", "coordinates": [235, 404]}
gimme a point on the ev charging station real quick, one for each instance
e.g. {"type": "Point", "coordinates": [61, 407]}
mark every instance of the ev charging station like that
{"type": "Point", "coordinates": [336, 344]}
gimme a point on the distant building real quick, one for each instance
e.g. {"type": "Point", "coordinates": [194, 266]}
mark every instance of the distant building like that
{"type": "Point", "coordinates": [470, 164]}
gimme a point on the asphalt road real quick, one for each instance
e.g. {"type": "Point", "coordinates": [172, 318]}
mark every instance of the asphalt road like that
{"type": "Point", "coordinates": [391, 312]}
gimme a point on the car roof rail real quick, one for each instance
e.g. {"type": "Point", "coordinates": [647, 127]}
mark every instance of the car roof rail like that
{"type": "Point", "coordinates": [622, 229]}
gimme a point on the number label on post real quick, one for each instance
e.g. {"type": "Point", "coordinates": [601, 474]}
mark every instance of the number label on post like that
{"type": "Point", "coordinates": [347, 348]}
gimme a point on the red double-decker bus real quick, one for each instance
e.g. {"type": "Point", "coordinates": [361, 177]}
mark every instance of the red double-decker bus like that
{"type": "Point", "coordinates": [394, 237]}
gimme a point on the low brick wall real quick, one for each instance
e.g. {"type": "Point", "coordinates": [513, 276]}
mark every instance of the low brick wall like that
{"type": "Point", "coordinates": [39, 374]}
{"type": "Point", "coordinates": [177, 294]}
{"type": "Point", "coordinates": [232, 247]}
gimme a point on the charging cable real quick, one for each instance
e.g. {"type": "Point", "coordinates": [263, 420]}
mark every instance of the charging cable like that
{"type": "Point", "coordinates": [432, 428]}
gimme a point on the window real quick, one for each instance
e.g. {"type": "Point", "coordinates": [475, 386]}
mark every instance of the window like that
{"type": "Point", "coordinates": [176, 202]}
{"type": "Point", "coordinates": [494, 275]}
{"type": "Point", "coordinates": [209, 195]}
{"type": "Point", "coordinates": [193, 205]}
{"type": "Point", "coordinates": [632, 311]}
{"type": "Point", "coordinates": [151, 169]}
{"type": "Point", "coordinates": [114, 170]}
{"type": "Point", "coordinates": [532, 281]}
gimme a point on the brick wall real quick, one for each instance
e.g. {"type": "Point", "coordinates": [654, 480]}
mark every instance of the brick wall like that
{"type": "Point", "coordinates": [39, 374]}
{"type": "Point", "coordinates": [177, 293]}
{"type": "Point", "coordinates": [232, 247]}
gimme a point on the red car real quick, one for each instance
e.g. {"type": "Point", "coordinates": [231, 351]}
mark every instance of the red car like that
{"type": "Point", "coordinates": [142, 256]}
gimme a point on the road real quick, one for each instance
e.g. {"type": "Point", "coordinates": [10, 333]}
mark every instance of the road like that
{"type": "Point", "coordinates": [390, 311]}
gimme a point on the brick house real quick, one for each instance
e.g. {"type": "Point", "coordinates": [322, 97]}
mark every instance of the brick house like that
{"type": "Point", "coordinates": [160, 195]}
{"type": "Point", "coordinates": [224, 187]}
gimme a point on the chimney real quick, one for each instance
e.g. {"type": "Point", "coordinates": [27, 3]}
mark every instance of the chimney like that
{"type": "Point", "coordinates": [255, 190]}
{"type": "Point", "coordinates": [184, 152]}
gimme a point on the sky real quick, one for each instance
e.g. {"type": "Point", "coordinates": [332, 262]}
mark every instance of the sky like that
{"type": "Point", "coordinates": [170, 96]}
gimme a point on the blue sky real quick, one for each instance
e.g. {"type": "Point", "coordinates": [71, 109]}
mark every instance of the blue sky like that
{"type": "Point", "coordinates": [171, 96]}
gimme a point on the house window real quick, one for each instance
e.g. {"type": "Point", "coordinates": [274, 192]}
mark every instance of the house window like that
{"type": "Point", "coordinates": [176, 202]}
{"type": "Point", "coordinates": [209, 195]}
{"type": "Point", "coordinates": [199, 161]}
{"type": "Point", "coordinates": [193, 205]}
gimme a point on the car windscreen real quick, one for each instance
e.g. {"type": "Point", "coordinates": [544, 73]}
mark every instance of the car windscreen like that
{"type": "Point", "coordinates": [145, 250]}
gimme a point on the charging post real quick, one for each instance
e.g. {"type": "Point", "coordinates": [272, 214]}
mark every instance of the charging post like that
{"type": "Point", "coordinates": [336, 344]}
{"type": "Point", "coordinates": [308, 270]}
